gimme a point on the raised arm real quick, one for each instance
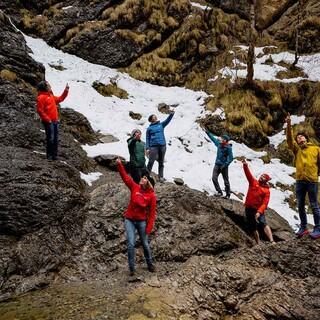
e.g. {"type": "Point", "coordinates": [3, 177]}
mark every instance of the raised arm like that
{"type": "Point", "coordinates": [248, 173]}
{"type": "Point", "coordinates": [166, 122]}
{"type": "Point", "coordinates": [125, 177]}
{"type": "Point", "coordinates": [265, 203]}
{"type": "Point", "coordinates": [293, 146]}
{"type": "Point", "coordinates": [213, 138]}
{"type": "Point", "coordinates": [63, 96]}
{"type": "Point", "coordinates": [152, 215]}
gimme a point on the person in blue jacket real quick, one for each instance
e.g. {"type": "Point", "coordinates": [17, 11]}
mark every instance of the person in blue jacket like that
{"type": "Point", "coordinates": [223, 160]}
{"type": "Point", "coordinates": [156, 143]}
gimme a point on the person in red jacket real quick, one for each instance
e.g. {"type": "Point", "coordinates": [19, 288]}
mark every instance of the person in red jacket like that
{"type": "Point", "coordinates": [140, 215]}
{"type": "Point", "coordinates": [256, 203]}
{"type": "Point", "coordinates": [48, 112]}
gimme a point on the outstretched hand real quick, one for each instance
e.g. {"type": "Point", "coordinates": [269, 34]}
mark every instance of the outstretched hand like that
{"type": "Point", "coordinates": [118, 161]}
{"type": "Point", "coordinates": [244, 160]}
{"type": "Point", "coordinates": [67, 86]}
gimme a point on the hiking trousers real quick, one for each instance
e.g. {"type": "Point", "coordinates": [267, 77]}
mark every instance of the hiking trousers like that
{"type": "Point", "coordinates": [302, 188]}
{"type": "Point", "coordinates": [215, 175]}
{"type": "Point", "coordinates": [52, 131]}
{"type": "Point", "coordinates": [157, 153]}
{"type": "Point", "coordinates": [131, 226]}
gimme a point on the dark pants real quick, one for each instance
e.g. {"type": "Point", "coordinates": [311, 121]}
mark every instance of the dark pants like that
{"type": "Point", "coordinates": [157, 153]}
{"type": "Point", "coordinates": [51, 130]}
{"type": "Point", "coordinates": [137, 173]}
{"type": "Point", "coordinates": [131, 227]}
{"type": "Point", "coordinates": [215, 175]}
{"type": "Point", "coordinates": [302, 188]}
{"type": "Point", "coordinates": [252, 223]}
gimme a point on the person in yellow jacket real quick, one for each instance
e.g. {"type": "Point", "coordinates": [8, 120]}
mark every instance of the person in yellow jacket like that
{"type": "Point", "coordinates": [306, 160]}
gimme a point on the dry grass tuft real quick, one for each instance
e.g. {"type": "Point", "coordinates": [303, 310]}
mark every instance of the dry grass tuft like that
{"type": "Point", "coordinates": [8, 75]}
{"type": "Point", "coordinates": [110, 90]}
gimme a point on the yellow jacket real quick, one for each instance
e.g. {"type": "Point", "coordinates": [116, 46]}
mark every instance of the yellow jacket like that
{"type": "Point", "coordinates": [306, 158]}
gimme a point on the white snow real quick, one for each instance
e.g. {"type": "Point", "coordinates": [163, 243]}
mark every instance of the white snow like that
{"type": "Point", "coordinates": [198, 5]}
{"type": "Point", "coordinates": [309, 64]}
{"type": "Point", "coordinates": [67, 8]}
{"type": "Point", "coordinates": [190, 154]}
{"type": "Point", "coordinates": [90, 177]}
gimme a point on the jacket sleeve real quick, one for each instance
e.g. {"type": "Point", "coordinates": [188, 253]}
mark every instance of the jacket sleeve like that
{"type": "Point", "coordinates": [166, 122]}
{"type": "Point", "coordinates": [148, 138]}
{"type": "Point", "coordinates": [152, 215]}
{"type": "Point", "coordinates": [265, 202]}
{"type": "Point", "coordinates": [62, 97]}
{"type": "Point", "coordinates": [41, 110]}
{"type": "Point", "coordinates": [125, 177]}
{"type": "Point", "coordinates": [131, 143]}
{"type": "Point", "coordinates": [230, 156]}
{"type": "Point", "coordinates": [248, 174]}
{"type": "Point", "coordinates": [293, 146]}
{"type": "Point", "coordinates": [213, 138]}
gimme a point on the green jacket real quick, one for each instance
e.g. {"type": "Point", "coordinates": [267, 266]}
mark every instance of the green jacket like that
{"type": "Point", "coordinates": [137, 153]}
{"type": "Point", "coordinates": [306, 158]}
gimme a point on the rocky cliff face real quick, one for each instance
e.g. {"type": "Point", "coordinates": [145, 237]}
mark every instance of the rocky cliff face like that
{"type": "Point", "coordinates": [41, 203]}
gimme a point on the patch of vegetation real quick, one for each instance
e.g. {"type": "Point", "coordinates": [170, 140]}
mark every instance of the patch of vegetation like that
{"type": "Point", "coordinates": [8, 75]}
{"type": "Point", "coordinates": [110, 90]}
{"type": "Point", "coordinates": [59, 67]}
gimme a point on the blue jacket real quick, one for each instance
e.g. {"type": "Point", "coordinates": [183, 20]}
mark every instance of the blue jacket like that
{"type": "Point", "coordinates": [224, 152]}
{"type": "Point", "coordinates": [155, 133]}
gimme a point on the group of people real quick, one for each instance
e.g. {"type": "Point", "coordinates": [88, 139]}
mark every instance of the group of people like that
{"type": "Point", "coordinates": [141, 212]}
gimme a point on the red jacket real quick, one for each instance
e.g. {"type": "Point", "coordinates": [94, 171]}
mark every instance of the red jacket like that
{"type": "Point", "coordinates": [47, 105]}
{"type": "Point", "coordinates": [142, 204]}
{"type": "Point", "coordinates": [258, 195]}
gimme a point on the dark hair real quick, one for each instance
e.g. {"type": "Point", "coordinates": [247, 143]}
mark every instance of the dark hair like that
{"type": "Point", "coordinates": [302, 133]}
{"type": "Point", "coordinates": [42, 86]}
{"type": "Point", "coordinates": [150, 117]}
{"type": "Point", "coordinates": [145, 173]}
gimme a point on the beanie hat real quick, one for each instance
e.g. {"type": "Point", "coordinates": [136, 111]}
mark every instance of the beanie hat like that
{"type": "Point", "coordinates": [266, 176]}
{"type": "Point", "coordinates": [225, 137]}
{"type": "Point", "coordinates": [134, 132]}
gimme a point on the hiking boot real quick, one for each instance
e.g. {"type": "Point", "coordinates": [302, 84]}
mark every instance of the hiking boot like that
{"type": "Point", "coordinates": [219, 194]}
{"type": "Point", "coordinates": [302, 232]}
{"type": "Point", "coordinates": [151, 268]}
{"type": "Point", "coordinates": [227, 196]}
{"type": "Point", "coordinates": [315, 234]}
{"type": "Point", "coordinates": [162, 180]}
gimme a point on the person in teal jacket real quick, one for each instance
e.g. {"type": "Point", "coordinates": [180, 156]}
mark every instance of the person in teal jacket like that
{"type": "Point", "coordinates": [137, 156]}
{"type": "Point", "coordinates": [223, 160]}
{"type": "Point", "coordinates": [156, 143]}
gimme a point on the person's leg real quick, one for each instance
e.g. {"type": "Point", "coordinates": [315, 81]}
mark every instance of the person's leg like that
{"type": "Point", "coordinates": [153, 156]}
{"type": "Point", "coordinates": [162, 152]}
{"type": "Point", "coordinates": [252, 223]}
{"type": "Point", "coordinates": [225, 176]}
{"type": "Point", "coordinates": [266, 228]}
{"type": "Point", "coordinates": [215, 175]}
{"type": "Point", "coordinates": [313, 198]}
{"type": "Point", "coordinates": [48, 127]}
{"type": "Point", "coordinates": [141, 227]}
{"type": "Point", "coordinates": [131, 241]}
{"type": "Point", "coordinates": [135, 174]}
{"type": "Point", "coordinates": [55, 126]}
{"type": "Point", "coordinates": [301, 191]}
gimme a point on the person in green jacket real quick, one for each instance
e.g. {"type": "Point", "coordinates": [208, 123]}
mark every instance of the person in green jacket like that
{"type": "Point", "coordinates": [137, 156]}
{"type": "Point", "coordinates": [306, 160]}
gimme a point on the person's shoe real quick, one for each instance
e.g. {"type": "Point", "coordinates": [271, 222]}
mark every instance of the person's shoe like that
{"type": "Point", "coordinates": [315, 234]}
{"type": "Point", "coordinates": [302, 232]}
{"type": "Point", "coordinates": [162, 180]}
{"type": "Point", "coordinates": [132, 273]}
{"type": "Point", "coordinates": [227, 196]}
{"type": "Point", "coordinates": [219, 194]}
{"type": "Point", "coordinates": [151, 268]}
